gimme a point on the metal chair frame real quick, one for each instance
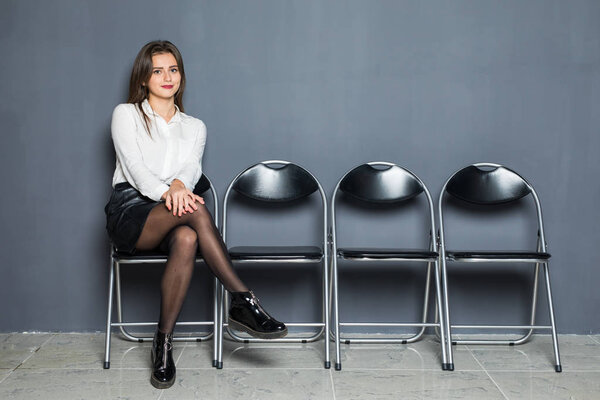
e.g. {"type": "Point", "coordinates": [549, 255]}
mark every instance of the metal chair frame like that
{"type": "Point", "coordinates": [114, 282]}
{"type": "Point", "coordinates": [223, 300]}
{"type": "Point", "coordinates": [541, 248]}
{"type": "Point", "coordinates": [435, 260]}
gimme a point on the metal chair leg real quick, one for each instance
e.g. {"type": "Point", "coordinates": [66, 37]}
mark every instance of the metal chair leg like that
{"type": "Point", "coordinates": [557, 365]}
{"type": "Point", "coordinates": [336, 316]}
{"type": "Point", "coordinates": [109, 316]}
{"type": "Point", "coordinates": [219, 339]}
{"type": "Point", "coordinates": [216, 322]}
{"type": "Point", "coordinates": [326, 277]}
{"type": "Point", "coordinates": [446, 363]}
{"type": "Point", "coordinates": [446, 314]}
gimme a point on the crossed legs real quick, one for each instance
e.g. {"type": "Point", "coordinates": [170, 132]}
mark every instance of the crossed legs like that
{"type": "Point", "coordinates": [181, 237]}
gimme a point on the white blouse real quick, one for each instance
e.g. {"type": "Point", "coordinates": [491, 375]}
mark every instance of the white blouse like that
{"type": "Point", "coordinates": [151, 162]}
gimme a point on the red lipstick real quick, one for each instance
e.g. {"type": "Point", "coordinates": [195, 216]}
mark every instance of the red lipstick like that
{"type": "Point", "coordinates": [167, 86]}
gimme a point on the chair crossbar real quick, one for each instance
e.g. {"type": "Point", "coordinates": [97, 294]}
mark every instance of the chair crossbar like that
{"type": "Point", "coordinates": [501, 326]}
{"type": "Point", "coordinates": [278, 259]}
{"type": "Point", "coordinates": [428, 259]}
{"type": "Point", "coordinates": [186, 323]}
{"type": "Point", "coordinates": [389, 324]}
{"type": "Point", "coordinates": [148, 260]}
{"type": "Point", "coordinates": [499, 260]}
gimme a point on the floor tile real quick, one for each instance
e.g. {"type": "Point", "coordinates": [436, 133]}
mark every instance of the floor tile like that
{"type": "Point", "coordinates": [69, 366]}
{"type": "Point", "coordinates": [16, 348]}
{"type": "Point", "coordinates": [195, 355]}
{"type": "Point", "coordinates": [535, 385]}
{"type": "Point", "coordinates": [259, 384]}
{"type": "Point", "coordinates": [425, 354]}
{"type": "Point", "coordinates": [256, 355]}
{"type": "Point", "coordinates": [382, 385]}
{"type": "Point", "coordinates": [66, 384]}
{"type": "Point", "coordinates": [4, 373]}
{"type": "Point", "coordinates": [576, 352]}
{"type": "Point", "coordinates": [81, 351]}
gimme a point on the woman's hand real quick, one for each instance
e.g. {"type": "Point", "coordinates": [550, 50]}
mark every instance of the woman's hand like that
{"type": "Point", "coordinates": [180, 200]}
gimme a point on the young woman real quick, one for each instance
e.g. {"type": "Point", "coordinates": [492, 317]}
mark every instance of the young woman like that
{"type": "Point", "coordinates": [159, 153]}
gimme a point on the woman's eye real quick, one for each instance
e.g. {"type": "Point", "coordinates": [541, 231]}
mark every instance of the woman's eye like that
{"type": "Point", "coordinates": [156, 71]}
{"type": "Point", "coordinates": [173, 70]}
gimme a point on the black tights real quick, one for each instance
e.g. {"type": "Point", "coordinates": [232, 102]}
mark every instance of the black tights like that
{"type": "Point", "coordinates": [181, 237]}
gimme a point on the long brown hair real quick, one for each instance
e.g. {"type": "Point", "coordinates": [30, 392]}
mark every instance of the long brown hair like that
{"type": "Point", "coordinates": [142, 70]}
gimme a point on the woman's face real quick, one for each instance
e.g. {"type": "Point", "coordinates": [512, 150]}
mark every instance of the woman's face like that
{"type": "Point", "coordinates": [165, 78]}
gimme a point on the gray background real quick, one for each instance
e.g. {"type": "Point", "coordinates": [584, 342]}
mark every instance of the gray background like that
{"type": "Point", "coordinates": [432, 85]}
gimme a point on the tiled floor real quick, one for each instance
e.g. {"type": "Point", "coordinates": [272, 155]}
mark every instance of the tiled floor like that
{"type": "Point", "coordinates": [69, 366]}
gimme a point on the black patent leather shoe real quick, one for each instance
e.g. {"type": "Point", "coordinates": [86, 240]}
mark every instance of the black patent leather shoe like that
{"type": "Point", "coordinates": [247, 315]}
{"type": "Point", "coordinates": [163, 367]}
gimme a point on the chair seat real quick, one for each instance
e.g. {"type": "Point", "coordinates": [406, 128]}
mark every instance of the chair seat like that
{"type": "Point", "coordinates": [276, 253]}
{"type": "Point", "coordinates": [497, 255]}
{"type": "Point", "coordinates": [386, 253]}
{"type": "Point", "coordinates": [156, 255]}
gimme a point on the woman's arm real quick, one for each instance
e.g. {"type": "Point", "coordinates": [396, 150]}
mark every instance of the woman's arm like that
{"type": "Point", "coordinates": [191, 171]}
{"type": "Point", "coordinates": [180, 197]}
{"type": "Point", "coordinates": [123, 129]}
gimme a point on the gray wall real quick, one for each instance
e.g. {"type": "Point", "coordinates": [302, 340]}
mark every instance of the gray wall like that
{"type": "Point", "coordinates": [432, 85]}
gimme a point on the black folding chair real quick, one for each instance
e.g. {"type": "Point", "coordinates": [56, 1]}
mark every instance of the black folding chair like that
{"type": "Point", "coordinates": [491, 185]}
{"type": "Point", "coordinates": [118, 258]}
{"type": "Point", "coordinates": [381, 183]}
{"type": "Point", "coordinates": [269, 183]}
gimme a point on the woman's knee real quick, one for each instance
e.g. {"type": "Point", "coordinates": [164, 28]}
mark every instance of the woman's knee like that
{"type": "Point", "coordinates": [185, 238]}
{"type": "Point", "coordinates": [202, 216]}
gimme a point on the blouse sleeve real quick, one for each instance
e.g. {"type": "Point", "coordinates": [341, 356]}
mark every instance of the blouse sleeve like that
{"type": "Point", "coordinates": [191, 170]}
{"type": "Point", "coordinates": [123, 129]}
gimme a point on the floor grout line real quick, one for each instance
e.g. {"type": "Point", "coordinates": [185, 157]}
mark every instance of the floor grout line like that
{"type": "Point", "coordinates": [487, 373]}
{"type": "Point", "coordinates": [180, 354]}
{"type": "Point", "coordinates": [33, 353]}
{"type": "Point", "coordinates": [593, 338]}
{"type": "Point", "coordinates": [332, 384]}
{"type": "Point", "coordinates": [7, 375]}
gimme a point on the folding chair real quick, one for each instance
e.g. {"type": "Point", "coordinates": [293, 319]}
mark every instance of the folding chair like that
{"type": "Point", "coordinates": [269, 183]}
{"type": "Point", "coordinates": [118, 258]}
{"type": "Point", "coordinates": [380, 183]}
{"type": "Point", "coordinates": [489, 185]}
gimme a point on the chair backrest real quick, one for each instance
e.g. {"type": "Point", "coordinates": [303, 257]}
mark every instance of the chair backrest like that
{"type": "Point", "coordinates": [387, 184]}
{"type": "Point", "coordinates": [275, 181]}
{"type": "Point", "coordinates": [487, 184]}
{"type": "Point", "coordinates": [381, 182]}
{"type": "Point", "coordinates": [202, 186]}
{"type": "Point", "coordinates": [205, 185]}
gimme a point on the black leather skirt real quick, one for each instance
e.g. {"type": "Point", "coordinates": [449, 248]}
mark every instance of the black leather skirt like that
{"type": "Point", "coordinates": [126, 214]}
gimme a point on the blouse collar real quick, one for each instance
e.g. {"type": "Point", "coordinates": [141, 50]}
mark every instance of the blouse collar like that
{"type": "Point", "coordinates": [148, 110]}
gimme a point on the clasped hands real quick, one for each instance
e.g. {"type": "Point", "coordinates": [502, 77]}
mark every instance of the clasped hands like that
{"type": "Point", "coordinates": [180, 200]}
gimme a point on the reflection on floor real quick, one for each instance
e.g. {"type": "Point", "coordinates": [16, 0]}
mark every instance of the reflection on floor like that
{"type": "Point", "coordinates": [69, 366]}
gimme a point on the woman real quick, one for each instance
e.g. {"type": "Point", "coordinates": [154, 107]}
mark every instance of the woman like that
{"type": "Point", "coordinates": [159, 153]}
